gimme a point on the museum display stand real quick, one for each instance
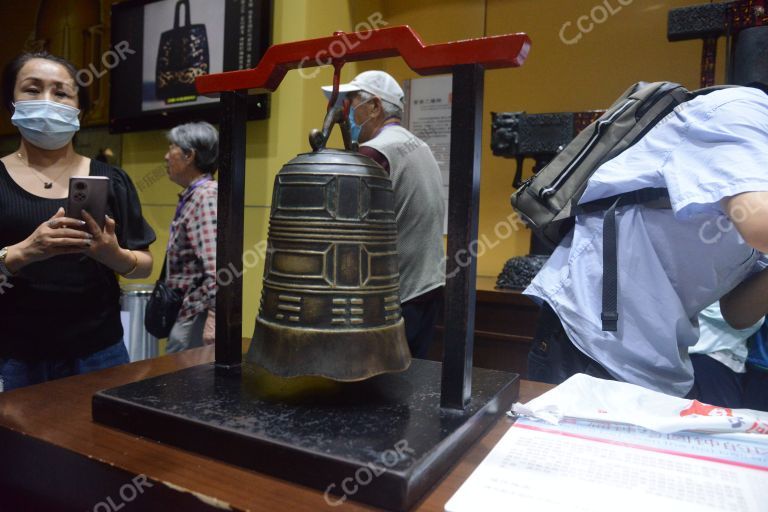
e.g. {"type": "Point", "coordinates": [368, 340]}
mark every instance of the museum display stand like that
{"type": "Point", "coordinates": [383, 441]}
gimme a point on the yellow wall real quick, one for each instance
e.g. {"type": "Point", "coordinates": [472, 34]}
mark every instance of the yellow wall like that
{"type": "Point", "coordinates": [627, 46]}
{"type": "Point", "coordinates": [297, 106]}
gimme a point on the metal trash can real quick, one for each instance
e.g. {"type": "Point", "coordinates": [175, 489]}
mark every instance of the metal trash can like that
{"type": "Point", "coordinates": [133, 302]}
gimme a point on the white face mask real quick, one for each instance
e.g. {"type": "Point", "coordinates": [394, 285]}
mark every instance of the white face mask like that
{"type": "Point", "coordinates": [46, 124]}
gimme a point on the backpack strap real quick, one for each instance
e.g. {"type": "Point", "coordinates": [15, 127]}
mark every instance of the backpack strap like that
{"type": "Point", "coordinates": [610, 313]}
{"type": "Point", "coordinates": [165, 268]}
{"type": "Point", "coordinates": [650, 197]}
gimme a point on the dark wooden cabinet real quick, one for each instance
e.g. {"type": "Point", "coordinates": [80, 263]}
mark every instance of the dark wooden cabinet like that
{"type": "Point", "coordinates": [505, 322]}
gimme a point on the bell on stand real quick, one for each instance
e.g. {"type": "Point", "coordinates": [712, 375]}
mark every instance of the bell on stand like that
{"type": "Point", "coordinates": [330, 304]}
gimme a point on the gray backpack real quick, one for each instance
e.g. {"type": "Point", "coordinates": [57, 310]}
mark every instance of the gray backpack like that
{"type": "Point", "coordinates": [548, 202]}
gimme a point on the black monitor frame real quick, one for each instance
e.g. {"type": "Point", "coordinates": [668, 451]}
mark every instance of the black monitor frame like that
{"type": "Point", "coordinates": [127, 33]}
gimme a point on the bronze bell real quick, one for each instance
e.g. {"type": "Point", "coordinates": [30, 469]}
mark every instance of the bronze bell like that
{"type": "Point", "coordinates": [330, 304]}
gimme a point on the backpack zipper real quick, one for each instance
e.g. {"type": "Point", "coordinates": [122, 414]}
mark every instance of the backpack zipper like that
{"type": "Point", "coordinates": [547, 192]}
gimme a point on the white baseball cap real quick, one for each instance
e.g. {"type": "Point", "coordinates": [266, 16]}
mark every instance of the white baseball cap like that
{"type": "Point", "coordinates": [378, 83]}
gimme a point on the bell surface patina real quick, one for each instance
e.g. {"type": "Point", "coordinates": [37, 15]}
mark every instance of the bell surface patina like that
{"type": "Point", "coordinates": [330, 303]}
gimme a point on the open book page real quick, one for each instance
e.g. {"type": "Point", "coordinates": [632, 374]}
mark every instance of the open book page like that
{"type": "Point", "coordinates": [587, 465]}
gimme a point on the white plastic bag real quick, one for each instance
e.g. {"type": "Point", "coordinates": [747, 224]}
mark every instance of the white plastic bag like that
{"type": "Point", "coordinates": [583, 396]}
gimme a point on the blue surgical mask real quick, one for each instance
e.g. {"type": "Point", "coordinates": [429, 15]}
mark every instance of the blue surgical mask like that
{"type": "Point", "coordinates": [354, 128]}
{"type": "Point", "coordinates": [46, 124]}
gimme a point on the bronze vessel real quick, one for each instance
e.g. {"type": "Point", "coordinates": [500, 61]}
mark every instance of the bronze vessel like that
{"type": "Point", "coordinates": [330, 303]}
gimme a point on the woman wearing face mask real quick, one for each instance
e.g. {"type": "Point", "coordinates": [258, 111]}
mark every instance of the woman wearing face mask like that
{"type": "Point", "coordinates": [59, 292]}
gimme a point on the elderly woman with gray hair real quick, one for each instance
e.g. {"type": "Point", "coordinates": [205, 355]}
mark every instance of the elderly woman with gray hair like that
{"type": "Point", "coordinates": [191, 259]}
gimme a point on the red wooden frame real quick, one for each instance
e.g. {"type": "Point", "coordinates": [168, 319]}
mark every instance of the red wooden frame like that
{"type": "Point", "coordinates": [491, 52]}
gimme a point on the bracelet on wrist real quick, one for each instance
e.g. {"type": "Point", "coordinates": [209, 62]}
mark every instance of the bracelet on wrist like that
{"type": "Point", "coordinates": [130, 271]}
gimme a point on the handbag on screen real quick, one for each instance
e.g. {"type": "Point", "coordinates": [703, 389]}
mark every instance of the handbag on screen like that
{"type": "Point", "coordinates": [181, 56]}
{"type": "Point", "coordinates": [163, 307]}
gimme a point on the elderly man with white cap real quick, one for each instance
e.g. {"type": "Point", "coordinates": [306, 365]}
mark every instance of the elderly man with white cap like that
{"type": "Point", "coordinates": [375, 111]}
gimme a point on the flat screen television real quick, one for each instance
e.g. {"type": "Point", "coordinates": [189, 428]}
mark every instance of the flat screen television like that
{"type": "Point", "coordinates": [160, 46]}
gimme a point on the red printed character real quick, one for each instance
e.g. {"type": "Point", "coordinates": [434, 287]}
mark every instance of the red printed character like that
{"type": "Point", "coordinates": [701, 409]}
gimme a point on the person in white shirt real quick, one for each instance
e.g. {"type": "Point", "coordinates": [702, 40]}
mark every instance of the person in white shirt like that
{"type": "Point", "coordinates": [711, 154]}
{"type": "Point", "coordinates": [719, 359]}
{"type": "Point", "coordinates": [375, 111]}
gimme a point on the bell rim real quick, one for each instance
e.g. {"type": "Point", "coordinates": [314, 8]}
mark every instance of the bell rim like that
{"type": "Point", "coordinates": [276, 353]}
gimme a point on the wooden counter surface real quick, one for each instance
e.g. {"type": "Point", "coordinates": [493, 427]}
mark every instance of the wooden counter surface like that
{"type": "Point", "coordinates": [54, 457]}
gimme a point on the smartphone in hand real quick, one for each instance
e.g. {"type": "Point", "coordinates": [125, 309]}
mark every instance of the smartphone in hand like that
{"type": "Point", "coordinates": [88, 193]}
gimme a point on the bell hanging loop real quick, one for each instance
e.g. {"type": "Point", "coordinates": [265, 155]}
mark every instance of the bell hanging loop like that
{"type": "Point", "coordinates": [319, 138]}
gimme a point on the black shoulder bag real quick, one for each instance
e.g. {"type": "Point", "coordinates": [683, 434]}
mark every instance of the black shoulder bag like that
{"type": "Point", "coordinates": [163, 307]}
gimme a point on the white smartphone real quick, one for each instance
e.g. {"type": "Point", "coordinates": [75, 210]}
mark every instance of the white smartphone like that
{"type": "Point", "coordinates": [88, 193]}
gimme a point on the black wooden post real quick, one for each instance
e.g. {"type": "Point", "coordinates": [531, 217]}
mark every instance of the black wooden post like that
{"type": "Point", "coordinates": [463, 214]}
{"type": "Point", "coordinates": [229, 238]}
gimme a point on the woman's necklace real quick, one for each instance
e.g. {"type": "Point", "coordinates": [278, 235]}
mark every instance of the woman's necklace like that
{"type": "Point", "coordinates": [46, 184]}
